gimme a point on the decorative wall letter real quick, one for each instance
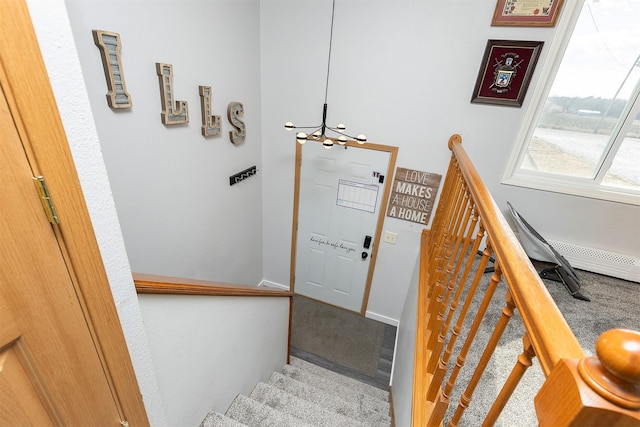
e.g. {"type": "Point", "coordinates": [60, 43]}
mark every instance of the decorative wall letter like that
{"type": "Point", "coordinates": [170, 115]}
{"type": "Point", "coordinates": [210, 124]}
{"type": "Point", "coordinates": [109, 45]}
{"type": "Point", "coordinates": [238, 135]}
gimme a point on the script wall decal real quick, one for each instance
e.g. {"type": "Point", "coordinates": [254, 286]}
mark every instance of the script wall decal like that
{"type": "Point", "coordinates": [335, 245]}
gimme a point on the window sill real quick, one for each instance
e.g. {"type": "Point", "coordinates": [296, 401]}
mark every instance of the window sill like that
{"type": "Point", "coordinates": [573, 186]}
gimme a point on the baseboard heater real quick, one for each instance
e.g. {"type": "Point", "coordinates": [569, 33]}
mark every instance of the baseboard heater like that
{"type": "Point", "coordinates": [599, 261]}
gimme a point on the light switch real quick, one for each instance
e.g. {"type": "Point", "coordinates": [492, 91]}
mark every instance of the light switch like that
{"type": "Point", "coordinates": [390, 237]}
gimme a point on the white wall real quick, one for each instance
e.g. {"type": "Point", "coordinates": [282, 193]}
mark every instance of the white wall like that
{"type": "Point", "coordinates": [206, 368]}
{"type": "Point", "coordinates": [403, 73]}
{"type": "Point", "coordinates": [56, 43]}
{"type": "Point", "coordinates": [179, 216]}
{"type": "Point", "coordinates": [403, 359]}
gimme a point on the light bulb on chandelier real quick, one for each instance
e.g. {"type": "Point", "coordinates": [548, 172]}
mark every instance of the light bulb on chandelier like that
{"type": "Point", "coordinates": [318, 132]}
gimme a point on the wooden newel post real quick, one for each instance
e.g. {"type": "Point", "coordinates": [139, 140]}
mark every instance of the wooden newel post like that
{"type": "Point", "coordinates": [595, 391]}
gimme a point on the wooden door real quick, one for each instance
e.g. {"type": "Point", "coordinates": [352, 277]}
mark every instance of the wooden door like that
{"type": "Point", "coordinates": [63, 358]}
{"type": "Point", "coordinates": [49, 368]}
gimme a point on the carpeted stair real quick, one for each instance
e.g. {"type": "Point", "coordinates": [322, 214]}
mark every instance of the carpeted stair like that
{"type": "Point", "coordinates": [303, 394]}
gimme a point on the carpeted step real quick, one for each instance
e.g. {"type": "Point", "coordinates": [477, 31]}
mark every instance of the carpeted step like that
{"type": "Point", "coordinates": [216, 419]}
{"type": "Point", "coordinates": [341, 379]}
{"type": "Point", "coordinates": [252, 413]}
{"type": "Point", "coordinates": [345, 392]}
{"type": "Point", "coordinates": [303, 409]}
{"type": "Point", "coordinates": [330, 401]}
{"type": "Point", "coordinates": [304, 394]}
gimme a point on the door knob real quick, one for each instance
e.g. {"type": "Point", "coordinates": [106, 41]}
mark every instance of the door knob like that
{"type": "Point", "coordinates": [364, 255]}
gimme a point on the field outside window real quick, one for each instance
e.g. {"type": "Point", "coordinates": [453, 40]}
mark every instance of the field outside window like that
{"type": "Point", "coordinates": [588, 132]}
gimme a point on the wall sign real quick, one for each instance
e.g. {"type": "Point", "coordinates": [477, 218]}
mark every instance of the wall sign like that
{"type": "Point", "coordinates": [505, 72]}
{"type": "Point", "coordinates": [109, 45]}
{"type": "Point", "coordinates": [234, 111]}
{"type": "Point", "coordinates": [210, 124]}
{"type": "Point", "coordinates": [172, 114]}
{"type": "Point", "coordinates": [412, 195]}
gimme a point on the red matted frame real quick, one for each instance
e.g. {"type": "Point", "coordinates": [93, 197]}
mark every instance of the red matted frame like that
{"type": "Point", "coordinates": [527, 13]}
{"type": "Point", "coordinates": [505, 72]}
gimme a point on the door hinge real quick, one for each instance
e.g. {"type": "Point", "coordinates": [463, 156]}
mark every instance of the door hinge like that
{"type": "Point", "coordinates": [45, 198]}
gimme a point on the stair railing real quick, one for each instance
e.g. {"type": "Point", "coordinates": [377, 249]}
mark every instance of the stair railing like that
{"type": "Point", "coordinates": [211, 341]}
{"type": "Point", "coordinates": [165, 285]}
{"type": "Point", "coordinates": [578, 390]}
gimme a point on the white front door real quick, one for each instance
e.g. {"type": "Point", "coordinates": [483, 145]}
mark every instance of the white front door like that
{"type": "Point", "coordinates": [339, 205]}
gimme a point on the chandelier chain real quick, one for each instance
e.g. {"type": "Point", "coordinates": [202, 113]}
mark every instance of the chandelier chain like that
{"type": "Point", "coordinates": [326, 88]}
{"type": "Point", "coordinates": [320, 131]}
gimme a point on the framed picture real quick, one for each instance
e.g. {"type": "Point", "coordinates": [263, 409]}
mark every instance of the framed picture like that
{"type": "Point", "coordinates": [505, 72]}
{"type": "Point", "coordinates": [527, 13]}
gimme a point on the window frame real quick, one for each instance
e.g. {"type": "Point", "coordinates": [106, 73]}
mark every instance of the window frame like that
{"type": "Point", "coordinates": [585, 187]}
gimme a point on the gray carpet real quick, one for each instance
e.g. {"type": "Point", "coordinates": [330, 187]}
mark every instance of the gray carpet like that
{"type": "Point", "coordinates": [303, 394]}
{"type": "Point", "coordinates": [337, 335]}
{"type": "Point", "coordinates": [614, 303]}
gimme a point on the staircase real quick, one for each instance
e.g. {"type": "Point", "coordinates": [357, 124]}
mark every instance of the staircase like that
{"type": "Point", "coordinates": [303, 394]}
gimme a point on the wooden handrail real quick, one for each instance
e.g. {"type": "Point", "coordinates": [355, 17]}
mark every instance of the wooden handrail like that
{"type": "Point", "coordinates": [154, 284]}
{"type": "Point", "coordinates": [166, 285]}
{"type": "Point", "coordinates": [578, 391]}
{"type": "Point", "coordinates": [549, 332]}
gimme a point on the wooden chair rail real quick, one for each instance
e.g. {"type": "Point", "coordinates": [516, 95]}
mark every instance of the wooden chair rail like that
{"type": "Point", "coordinates": [579, 390]}
{"type": "Point", "coordinates": [154, 284]}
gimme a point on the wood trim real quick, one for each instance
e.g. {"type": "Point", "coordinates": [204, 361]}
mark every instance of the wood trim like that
{"type": "Point", "coordinates": [290, 329]}
{"type": "Point", "coordinates": [393, 155]}
{"type": "Point", "coordinates": [165, 285]}
{"type": "Point", "coordinates": [294, 222]}
{"type": "Point", "coordinates": [154, 284]}
{"type": "Point", "coordinates": [392, 412]}
{"type": "Point", "coordinates": [30, 97]}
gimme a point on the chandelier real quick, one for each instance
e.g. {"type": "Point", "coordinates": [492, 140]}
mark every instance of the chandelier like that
{"type": "Point", "coordinates": [319, 132]}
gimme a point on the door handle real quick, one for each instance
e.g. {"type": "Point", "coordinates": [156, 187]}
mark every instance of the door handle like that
{"type": "Point", "coordinates": [364, 255]}
{"type": "Point", "coordinates": [367, 242]}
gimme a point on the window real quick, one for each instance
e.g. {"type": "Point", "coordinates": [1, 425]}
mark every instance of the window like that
{"type": "Point", "coordinates": [584, 137]}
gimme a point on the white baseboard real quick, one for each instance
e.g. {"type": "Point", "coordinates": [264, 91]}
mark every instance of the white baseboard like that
{"type": "Point", "coordinates": [381, 318]}
{"type": "Point", "coordinates": [268, 284]}
{"type": "Point", "coordinates": [369, 314]}
{"type": "Point", "coordinates": [600, 261]}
